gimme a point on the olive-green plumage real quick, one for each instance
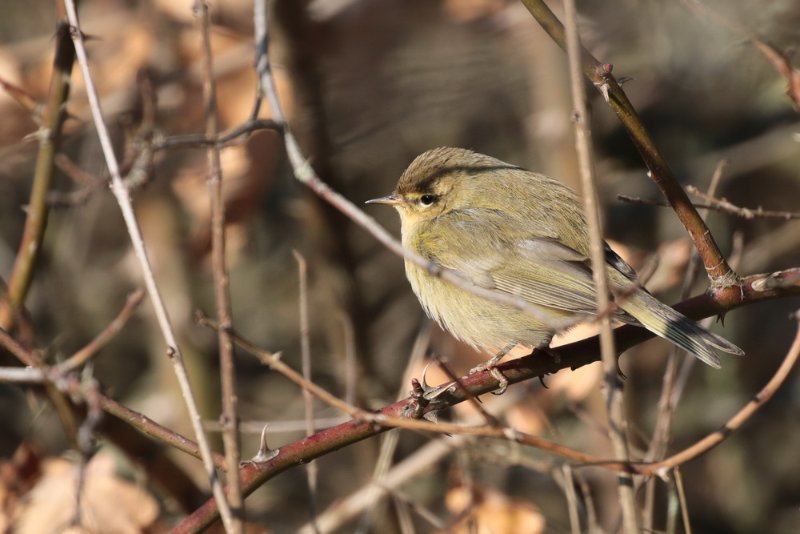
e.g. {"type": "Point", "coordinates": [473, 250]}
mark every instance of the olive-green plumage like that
{"type": "Point", "coordinates": [519, 232]}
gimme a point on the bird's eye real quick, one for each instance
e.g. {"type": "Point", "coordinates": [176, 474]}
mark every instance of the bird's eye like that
{"type": "Point", "coordinates": [428, 200]}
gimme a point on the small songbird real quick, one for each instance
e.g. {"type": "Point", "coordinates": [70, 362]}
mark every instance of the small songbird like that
{"type": "Point", "coordinates": [517, 232]}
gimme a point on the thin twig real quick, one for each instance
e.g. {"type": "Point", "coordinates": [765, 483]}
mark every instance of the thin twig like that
{"type": "Point", "coordinates": [670, 394]}
{"type": "Point", "coordinates": [220, 140]}
{"type": "Point", "coordinates": [722, 205]}
{"type": "Point", "coordinates": [25, 99]}
{"type": "Point", "coordinates": [779, 60]}
{"type": "Point", "coordinates": [389, 442]}
{"type": "Point", "coordinates": [274, 362]}
{"type": "Point", "coordinates": [102, 339]}
{"type": "Point", "coordinates": [366, 497]}
{"type": "Point", "coordinates": [385, 476]}
{"type": "Point", "coordinates": [613, 385]}
{"type": "Point", "coordinates": [305, 366]}
{"type": "Point", "coordinates": [22, 375]}
{"type": "Point", "coordinates": [678, 478]}
{"type": "Point", "coordinates": [572, 500]}
{"type": "Point", "coordinates": [120, 192]}
{"type": "Point", "coordinates": [350, 359]}
{"type": "Point", "coordinates": [735, 422]}
{"type": "Point", "coordinates": [229, 418]}
{"type": "Point", "coordinates": [38, 372]}
{"type": "Point", "coordinates": [719, 272]}
{"type": "Point", "coordinates": [154, 430]}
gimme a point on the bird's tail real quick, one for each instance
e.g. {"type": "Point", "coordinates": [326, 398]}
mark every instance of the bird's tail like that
{"type": "Point", "coordinates": [678, 329]}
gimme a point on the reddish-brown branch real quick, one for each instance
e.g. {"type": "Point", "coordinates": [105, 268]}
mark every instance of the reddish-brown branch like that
{"type": "Point", "coordinates": [719, 272]}
{"type": "Point", "coordinates": [754, 289]}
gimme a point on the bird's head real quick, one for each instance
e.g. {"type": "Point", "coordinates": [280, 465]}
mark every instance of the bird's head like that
{"type": "Point", "coordinates": [442, 180]}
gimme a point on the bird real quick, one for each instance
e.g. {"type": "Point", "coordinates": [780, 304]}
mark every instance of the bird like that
{"type": "Point", "coordinates": [523, 234]}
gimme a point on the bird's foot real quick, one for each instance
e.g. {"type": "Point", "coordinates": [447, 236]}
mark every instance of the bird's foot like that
{"type": "Point", "coordinates": [491, 366]}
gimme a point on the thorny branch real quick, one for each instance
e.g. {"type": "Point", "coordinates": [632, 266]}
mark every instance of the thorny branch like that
{"type": "Point", "coordinates": [719, 272]}
{"type": "Point", "coordinates": [755, 288]}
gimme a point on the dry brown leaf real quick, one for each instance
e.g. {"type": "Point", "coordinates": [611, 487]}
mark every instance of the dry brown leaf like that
{"type": "Point", "coordinates": [108, 503]}
{"type": "Point", "coordinates": [492, 512]}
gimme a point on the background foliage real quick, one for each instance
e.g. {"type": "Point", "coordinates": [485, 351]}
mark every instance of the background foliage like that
{"type": "Point", "coordinates": [368, 85]}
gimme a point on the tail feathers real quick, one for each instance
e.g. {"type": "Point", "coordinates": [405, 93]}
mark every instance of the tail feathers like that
{"type": "Point", "coordinates": [678, 329]}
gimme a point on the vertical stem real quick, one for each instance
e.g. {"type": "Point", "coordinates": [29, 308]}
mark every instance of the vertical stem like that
{"type": "Point", "coordinates": [49, 135]}
{"type": "Point", "coordinates": [613, 385]}
{"type": "Point", "coordinates": [719, 272]}
{"type": "Point", "coordinates": [229, 419]}
{"type": "Point", "coordinates": [305, 363]}
{"type": "Point", "coordinates": [667, 401]}
{"type": "Point", "coordinates": [120, 191]}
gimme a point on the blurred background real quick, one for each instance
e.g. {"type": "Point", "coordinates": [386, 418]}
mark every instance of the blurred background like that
{"type": "Point", "coordinates": [367, 85]}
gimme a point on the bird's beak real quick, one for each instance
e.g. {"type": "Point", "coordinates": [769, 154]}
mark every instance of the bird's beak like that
{"type": "Point", "coordinates": [391, 200]}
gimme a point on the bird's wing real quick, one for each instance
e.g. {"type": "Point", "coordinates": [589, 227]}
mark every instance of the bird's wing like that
{"type": "Point", "coordinates": [502, 256]}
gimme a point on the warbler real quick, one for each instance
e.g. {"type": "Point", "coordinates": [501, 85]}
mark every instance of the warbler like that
{"type": "Point", "coordinates": [521, 233]}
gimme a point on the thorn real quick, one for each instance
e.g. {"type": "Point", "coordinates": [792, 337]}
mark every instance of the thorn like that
{"type": "Point", "coordinates": [603, 88]}
{"type": "Point", "coordinates": [541, 381]}
{"type": "Point", "coordinates": [264, 453]}
{"type": "Point", "coordinates": [431, 393]}
{"type": "Point", "coordinates": [425, 386]}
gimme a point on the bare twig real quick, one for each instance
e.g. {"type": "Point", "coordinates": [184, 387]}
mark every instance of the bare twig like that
{"type": "Point", "coordinates": [385, 476]}
{"type": "Point", "coordinates": [229, 418]}
{"type": "Point", "coordinates": [21, 375]}
{"type": "Point", "coordinates": [274, 362]}
{"type": "Point", "coordinates": [719, 272]}
{"type": "Point", "coordinates": [305, 365]}
{"type": "Point", "coordinates": [120, 192]}
{"type": "Point", "coordinates": [221, 140]}
{"type": "Point", "coordinates": [390, 440]}
{"type": "Point", "coordinates": [49, 135]}
{"type": "Point", "coordinates": [613, 385]}
{"type": "Point", "coordinates": [366, 497]}
{"type": "Point", "coordinates": [350, 360]}
{"type": "Point", "coordinates": [670, 394]}
{"type": "Point", "coordinates": [779, 60]}
{"type": "Point", "coordinates": [150, 428]}
{"type": "Point", "coordinates": [38, 372]}
{"type": "Point", "coordinates": [722, 204]}
{"type": "Point", "coordinates": [95, 345]}
{"type": "Point", "coordinates": [572, 501]}
{"type": "Point", "coordinates": [678, 478]}
{"type": "Point", "coordinates": [24, 99]}
{"type": "Point", "coordinates": [735, 422]}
